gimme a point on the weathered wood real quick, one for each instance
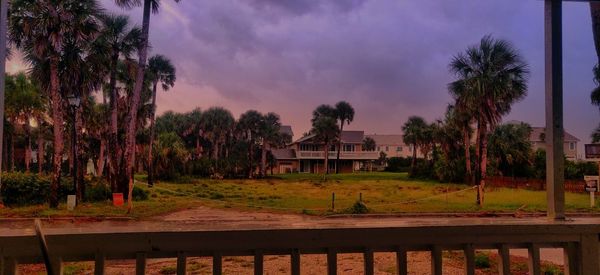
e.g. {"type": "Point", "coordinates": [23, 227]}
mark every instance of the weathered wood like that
{"type": "Point", "coordinates": [258, 262]}
{"type": "Point", "coordinates": [535, 267]}
{"type": "Point", "coordinates": [99, 264]}
{"type": "Point", "coordinates": [503, 260]}
{"type": "Point", "coordinates": [56, 265]}
{"type": "Point", "coordinates": [140, 263]}
{"type": "Point", "coordinates": [295, 262]}
{"type": "Point", "coordinates": [368, 260]}
{"type": "Point", "coordinates": [571, 259]}
{"type": "Point", "coordinates": [589, 254]}
{"type": "Point", "coordinates": [436, 260]}
{"type": "Point", "coordinates": [331, 262]}
{"type": "Point", "coordinates": [401, 261]}
{"type": "Point", "coordinates": [9, 266]}
{"type": "Point", "coordinates": [217, 264]}
{"type": "Point", "coordinates": [181, 263]}
{"type": "Point", "coordinates": [469, 259]}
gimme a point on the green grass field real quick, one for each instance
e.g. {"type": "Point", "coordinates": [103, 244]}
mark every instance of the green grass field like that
{"type": "Point", "coordinates": [312, 194]}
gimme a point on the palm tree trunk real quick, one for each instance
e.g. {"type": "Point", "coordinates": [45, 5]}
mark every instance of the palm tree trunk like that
{"type": "Point", "coordinates": [595, 14]}
{"type": "Point", "coordinates": [12, 152]}
{"type": "Point", "coordinates": [100, 162]}
{"type": "Point", "coordinates": [113, 146]}
{"type": "Point", "coordinates": [28, 148]}
{"type": "Point", "coordinates": [326, 158]}
{"type": "Point", "coordinates": [135, 102]}
{"type": "Point", "coordinates": [484, 141]}
{"type": "Point", "coordinates": [414, 159]}
{"type": "Point", "coordinates": [467, 141]}
{"type": "Point", "coordinates": [339, 148]}
{"type": "Point", "coordinates": [263, 159]}
{"type": "Point", "coordinates": [251, 159]}
{"type": "Point", "coordinates": [57, 118]}
{"type": "Point", "coordinates": [81, 167]}
{"type": "Point", "coordinates": [477, 173]}
{"type": "Point", "coordinates": [152, 133]}
{"type": "Point", "coordinates": [40, 147]}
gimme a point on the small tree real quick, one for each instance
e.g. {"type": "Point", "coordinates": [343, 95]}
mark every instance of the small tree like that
{"type": "Point", "coordinates": [326, 131]}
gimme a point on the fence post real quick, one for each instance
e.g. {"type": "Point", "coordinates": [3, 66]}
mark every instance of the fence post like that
{"type": "Point", "coordinates": [333, 202]}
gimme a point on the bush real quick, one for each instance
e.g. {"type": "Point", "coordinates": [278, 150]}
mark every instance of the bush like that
{"type": "Point", "coordinates": [398, 164]}
{"type": "Point", "coordinates": [27, 188]}
{"type": "Point", "coordinates": [358, 208]}
{"type": "Point", "coordinates": [452, 170]}
{"type": "Point", "coordinates": [97, 190]}
{"type": "Point", "coordinates": [139, 194]}
{"type": "Point", "coordinates": [482, 260]}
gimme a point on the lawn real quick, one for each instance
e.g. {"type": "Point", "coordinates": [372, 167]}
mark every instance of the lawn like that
{"type": "Point", "coordinates": [312, 194]}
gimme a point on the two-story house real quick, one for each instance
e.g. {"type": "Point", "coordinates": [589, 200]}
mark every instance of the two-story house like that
{"type": "Point", "coordinates": [306, 155]}
{"type": "Point", "coordinates": [538, 140]}
{"type": "Point", "coordinates": [393, 146]}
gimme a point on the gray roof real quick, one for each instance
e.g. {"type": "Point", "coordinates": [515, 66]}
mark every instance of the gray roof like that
{"type": "Point", "coordinates": [286, 129]}
{"type": "Point", "coordinates": [536, 132]}
{"type": "Point", "coordinates": [281, 154]}
{"type": "Point", "coordinates": [347, 137]}
{"type": "Point", "coordinates": [387, 139]}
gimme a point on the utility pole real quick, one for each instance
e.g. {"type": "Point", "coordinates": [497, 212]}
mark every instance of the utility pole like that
{"type": "Point", "coordinates": [3, 45]}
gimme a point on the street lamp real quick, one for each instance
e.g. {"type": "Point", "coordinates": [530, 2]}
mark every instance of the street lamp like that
{"type": "Point", "coordinates": [74, 102]}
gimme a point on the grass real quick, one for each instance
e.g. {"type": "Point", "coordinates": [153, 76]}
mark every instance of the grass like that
{"type": "Point", "coordinates": [312, 194]}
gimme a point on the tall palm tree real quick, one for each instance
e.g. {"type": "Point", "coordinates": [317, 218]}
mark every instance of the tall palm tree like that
{"type": "Point", "coordinates": [595, 14]}
{"type": "Point", "coordinates": [412, 134]}
{"type": "Point", "coordinates": [272, 137]}
{"type": "Point", "coordinates": [39, 29]}
{"type": "Point", "coordinates": [217, 123]}
{"type": "Point", "coordinates": [149, 5]}
{"type": "Point", "coordinates": [345, 114]}
{"type": "Point", "coordinates": [160, 71]}
{"type": "Point", "coordinates": [326, 131]}
{"type": "Point", "coordinates": [491, 77]}
{"type": "Point", "coordinates": [249, 125]}
{"type": "Point", "coordinates": [460, 116]}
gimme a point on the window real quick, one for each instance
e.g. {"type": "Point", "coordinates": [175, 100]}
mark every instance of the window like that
{"type": "Point", "coordinates": [387, 148]}
{"type": "Point", "coordinates": [348, 148]}
{"type": "Point", "coordinates": [378, 148]}
{"type": "Point", "coordinates": [571, 145]}
{"type": "Point", "coordinates": [399, 149]}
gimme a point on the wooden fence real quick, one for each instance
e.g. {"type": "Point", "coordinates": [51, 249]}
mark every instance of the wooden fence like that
{"type": "Point", "coordinates": [573, 186]}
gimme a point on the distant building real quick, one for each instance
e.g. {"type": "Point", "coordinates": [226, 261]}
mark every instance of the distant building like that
{"type": "Point", "coordinates": [306, 155]}
{"type": "Point", "coordinates": [392, 146]}
{"type": "Point", "coordinates": [538, 141]}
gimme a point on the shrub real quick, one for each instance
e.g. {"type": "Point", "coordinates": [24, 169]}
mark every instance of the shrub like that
{"type": "Point", "coordinates": [398, 164]}
{"type": "Point", "coordinates": [482, 260]}
{"type": "Point", "coordinates": [27, 188]}
{"type": "Point", "coordinates": [358, 208]}
{"type": "Point", "coordinates": [97, 190]}
{"type": "Point", "coordinates": [139, 194]}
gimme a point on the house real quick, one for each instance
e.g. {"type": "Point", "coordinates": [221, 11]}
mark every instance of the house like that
{"type": "Point", "coordinates": [306, 155]}
{"type": "Point", "coordinates": [538, 137]}
{"type": "Point", "coordinates": [392, 146]}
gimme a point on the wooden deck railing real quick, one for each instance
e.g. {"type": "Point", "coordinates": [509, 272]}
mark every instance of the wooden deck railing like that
{"type": "Point", "coordinates": [579, 241]}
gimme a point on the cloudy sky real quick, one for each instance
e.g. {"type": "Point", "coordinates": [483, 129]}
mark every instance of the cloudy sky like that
{"type": "Point", "coordinates": [388, 58]}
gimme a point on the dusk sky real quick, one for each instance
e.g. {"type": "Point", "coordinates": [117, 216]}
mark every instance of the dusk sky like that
{"type": "Point", "coordinates": [388, 58]}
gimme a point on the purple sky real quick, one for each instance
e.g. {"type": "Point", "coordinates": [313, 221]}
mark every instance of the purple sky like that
{"type": "Point", "coordinates": [388, 58]}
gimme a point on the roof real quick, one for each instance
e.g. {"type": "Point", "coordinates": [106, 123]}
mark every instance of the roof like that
{"type": "Point", "coordinates": [387, 139]}
{"type": "Point", "coordinates": [536, 132]}
{"type": "Point", "coordinates": [286, 129]}
{"type": "Point", "coordinates": [281, 154]}
{"type": "Point", "coordinates": [347, 137]}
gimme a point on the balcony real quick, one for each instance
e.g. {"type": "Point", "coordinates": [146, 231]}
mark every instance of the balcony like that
{"type": "Point", "coordinates": [357, 155]}
{"type": "Point", "coordinates": [578, 239]}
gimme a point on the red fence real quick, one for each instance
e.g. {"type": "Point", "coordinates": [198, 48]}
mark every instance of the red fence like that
{"type": "Point", "coordinates": [573, 186]}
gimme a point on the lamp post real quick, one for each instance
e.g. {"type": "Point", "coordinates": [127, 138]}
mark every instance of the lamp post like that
{"type": "Point", "coordinates": [74, 102]}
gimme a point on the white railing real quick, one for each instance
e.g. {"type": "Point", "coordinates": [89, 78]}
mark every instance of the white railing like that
{"type": "Point", "coordinates": [579, 241]}
{"type": "Point", "coordinates": [356, 155]}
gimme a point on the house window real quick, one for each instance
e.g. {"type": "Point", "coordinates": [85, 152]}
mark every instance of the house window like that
{"type": "Point", "coordinates": [399, 149]}
{"type": "Point", "coordinates": [378, 148]}
{"type": "Point", "coordinates": [348, 147]}
{"type": "Point", "coordinates": [387, 148]}
{"type": "Point", "coordinates": [571, 145]}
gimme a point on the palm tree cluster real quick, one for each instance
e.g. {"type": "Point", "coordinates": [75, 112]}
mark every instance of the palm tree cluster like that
{"type": "Point", "coordinates": [76, 49]}
{"type": "Point", "coordinates": [213, 143]}
{"type": "Point", "coordinates": [327, 125]}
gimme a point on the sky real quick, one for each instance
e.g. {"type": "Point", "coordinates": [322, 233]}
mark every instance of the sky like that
{"type": "Point", "coordinates": [388, 58]}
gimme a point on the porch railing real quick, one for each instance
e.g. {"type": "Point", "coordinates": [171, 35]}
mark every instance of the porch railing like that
{"type": "Point", "coordinates": [579, 241]}
{"type": "Point", "coordinates": [357, 155]}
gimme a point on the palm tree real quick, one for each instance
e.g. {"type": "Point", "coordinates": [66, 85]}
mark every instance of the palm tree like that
{"type": "Point", "coordinates": [460, 116]}
{"type": "Point", "coordinates": [271, 136]}
{"type": "Point", "coordinates": [217, 123]}
{"type": "Point", "coordinates": [369, 144]}
{"type": "Point", "coordinates": [596, 135]}
{"type": "Point", "coordinates": [345, 114]}
{"type": "Point", "coordinates": [595, 14]}
{"type": "Point", "coordinates": [326, 131]}
{"type": "Point", "coordinates": [412, 134]}
{"type": "Point", "coordinates": [161, 71]}
{"type": "Point", "coordinates": [39, 29]}
{"type": "Point", "coordinates": [131, 120]}
{"type": "Point", "coordinates": [491, 77]}
{"type": "Point", "coordinates": [249, 125]}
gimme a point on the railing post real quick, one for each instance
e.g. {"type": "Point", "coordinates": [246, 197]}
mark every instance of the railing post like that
{"type": "Point", "coordinates": [57, 265]}
{"type": "Point", "coordinates": [436, 260]}
{"type": "Point", "coordinates": [9, 266]}
{"type": "Point", "coordinates": [331, 262]}
{"type": "Point", "coordinates": [469, 259]}
{"type": "Point", "coordinates": [401, 261]}
{"type": "Point", "coordinates": [258, 262]}
{"type": "Point", "coordinates": [571, 259]}
{"type": "Point", "coordinates": [140, 263]}
{"type": "Point", "coordinates": [368, 260]}
{"type": "Point", "coordinates": [504, 260]}
{"type": "Point", "coordinates": [217, 264]}
{"type": "Point", "coordinates": [99, 264]}
{"type": "Point", "coordinates": [534, 259]}
{"type": "Point", "coordinates": [181, 263]}
{"type": "Point", "coordinates": [589, 253]}
{"type": "Point", "coordinates": [295, 259]}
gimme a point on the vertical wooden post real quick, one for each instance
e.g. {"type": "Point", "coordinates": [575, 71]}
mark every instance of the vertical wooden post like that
{"type": "Point", "coordinates": [436, 260]}
{"type": "Point", "coordinates": [504, 260]}
{"type": "Point", "coordinates": [99, 264]}
{"type": "Point", "coordinates": [589, 254]}
{"type": "Point", "coordinates": [258, 262]}
{"type": "Point", "coordinates": [9, 266]}
{"type": "Point", "coordinates": [3, 47]}
{"type": "Point", "coordinates": [333, 202]}
{"type": "Point", "coordinates": [181, 263]}
{"type": "Point", "coordinates": [555, 178]}
{"type": "Point", "coordinates": [534, 260]}
{"type": "Point", "coordinates": [140, 263]}
{"type": "Point", "coordinates": [295, 259]}
{"type": "Point", "coordinates": [369, 262]}
{"type": "Point", "coordinates": [331, 262]}
{"type": "Point", "coordinates": [217, 264]}
{"type": "Point", "coordinates": [469, 259]}
{"type": "Point", "coordinates": [571, 260]}
{"type": "Point", "coordinates": [401, 261]}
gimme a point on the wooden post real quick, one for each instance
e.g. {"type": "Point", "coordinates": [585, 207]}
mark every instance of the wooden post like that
{"type": "Point", "coordinates": [401, 261]}
{"type": "Point", "coordinates": [555, 178]}
{"type": "Point", "coordinates": [331, 262]}
{"type": "Point", "coordinates": [9, 266]}
{"type": "Point", "coordinates": [535, 267]}
{"type": "Point", "coordinates": [258, 262]}
{"type": "Point", "coordinates": [589, 254]}
{"type": "Point", "coordinates": [504, 260]}
{"type": "Point", "coordinates": [295, 257]}
{"type": "Point", "coordinates": [333, 202]}
{"type": "Point", "coordinates": [369, 263]}
{"type": "Point", "coordinates": [217, 264]}
{"type": "Point", "coordinates": [469, 259]}
{"type": "Point", "coordinates": [140, 263]}
{"type": "Point", "coordinates": [99, 264]}
{"type": "Point", "coordinates": [181, 263]}
{"type": "Point", "coordinates": [436, 260]}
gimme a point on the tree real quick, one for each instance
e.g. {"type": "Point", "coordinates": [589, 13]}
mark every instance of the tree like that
{"type": "Point", "coordinates": [413, 133]}
{"type": "Point", "coordinates": [120, 39]}
{"type": "Point", "coordinates": [161, 71]}
{"type": "Point", "coordinates": [217, 123]}
{"type": "Point", "coordinates": [491, 77]}
{"type": "Point", "coordinates": [509, 144]}
{"type": "Point", "coordinates": [460, 117]}
{"type": "Point", "coordinates": [595, 15]}
{"type": "Point", "coordinates": [249, 125]}
{"type": "Point", "coordinates": [345, 114]}
{"type": "Point", "coordinates": [39, 28]}
{"type": "Point", "coordinates": [369, 144]}
{"type": "Point", "coordinates": [324, 110]}
{"type": "Point", "coordinates": [326, 131]}
{"type": "Point", "coordinates": [272, 137]}
{"type": "Point", "coordinates": [596, 135]}
{"type": "Point", "coordinates": [139, 85]}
